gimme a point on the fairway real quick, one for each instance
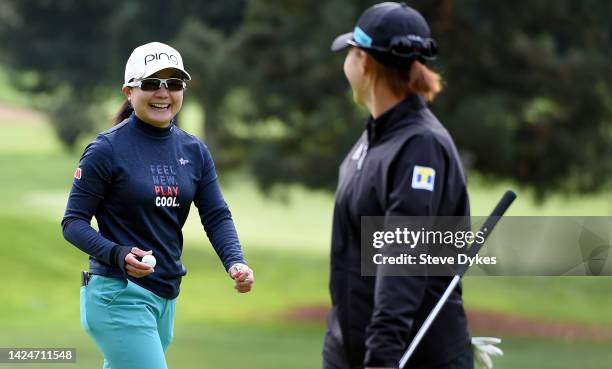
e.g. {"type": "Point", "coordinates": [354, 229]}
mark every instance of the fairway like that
{"type": "Point", "coordinates": [286, 243]}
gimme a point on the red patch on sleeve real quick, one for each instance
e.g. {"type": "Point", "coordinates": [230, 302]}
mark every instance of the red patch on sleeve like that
{"type": "Point", "coordinates": [77, 173]}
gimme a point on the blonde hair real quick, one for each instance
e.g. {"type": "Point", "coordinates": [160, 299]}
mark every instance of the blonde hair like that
{"type": "Point", "coordinates": [402, 82]}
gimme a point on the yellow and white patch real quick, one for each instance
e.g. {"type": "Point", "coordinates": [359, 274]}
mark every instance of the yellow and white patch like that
{"type": "Point", "coordinates": [423, 178]}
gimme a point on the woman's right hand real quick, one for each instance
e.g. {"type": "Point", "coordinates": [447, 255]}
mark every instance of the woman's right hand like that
{"type": "Point", "coordinates": [135, 268]}
{"type": "Point", "coordinates": [242, 276]}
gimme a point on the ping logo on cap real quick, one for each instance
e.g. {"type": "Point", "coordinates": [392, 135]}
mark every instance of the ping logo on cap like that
{"type": "Point", "coordinates": [157, 56]}
{"type": "Point", "coordinates": [423, 178]}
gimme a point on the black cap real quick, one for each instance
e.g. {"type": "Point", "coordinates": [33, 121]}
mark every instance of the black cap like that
{"type": "Point", "coordinates": [393, 33]}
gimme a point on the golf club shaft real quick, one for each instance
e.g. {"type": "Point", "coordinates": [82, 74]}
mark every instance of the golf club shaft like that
{"type": "Point", "coordinates": [430, 318]}
{"type": "Point", "coordinates": [486, 230]}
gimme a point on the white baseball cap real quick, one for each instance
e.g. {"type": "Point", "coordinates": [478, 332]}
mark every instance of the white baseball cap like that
{"type": "Point", "coordinates": [150, 58]}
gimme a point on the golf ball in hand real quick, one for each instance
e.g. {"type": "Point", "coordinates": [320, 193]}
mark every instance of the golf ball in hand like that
{"type": "Point", "coordinates": [149, 260]}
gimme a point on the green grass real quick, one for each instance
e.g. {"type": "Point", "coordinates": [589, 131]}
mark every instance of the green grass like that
{"type": "Point", "coordinates": [212, 320]}
{"type": "Point", "coordinates": [202, 346]}
{"type": "Point", "coordinates": [574, 299]}
{"type": "Point", "coordinates": [226, 346]}
{"type": "Point", "coordinates": [485, 194]}
{"type": "Point", "coordinates": [287, 245]}
{"type": "Point", "coordinates": [28, 139]}
{"type": "Point", "coordinates": [549, 354]}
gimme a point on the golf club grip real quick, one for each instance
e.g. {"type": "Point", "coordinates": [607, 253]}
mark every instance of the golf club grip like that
{"type": "Point", "coordinates": [504, 204]}
{"type": "Point", "coordinates": [487, 228]}
{"type": "Point", "coordinates": [490, 223]}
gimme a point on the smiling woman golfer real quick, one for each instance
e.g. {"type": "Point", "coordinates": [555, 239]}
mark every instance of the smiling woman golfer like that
{"type": "Point", "coordinates": [139, 179]}
{"type": "Point", "coordinates": [404, 164]}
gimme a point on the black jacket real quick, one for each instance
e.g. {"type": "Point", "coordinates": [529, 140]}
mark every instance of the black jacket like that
{"type": "Point", "coordinates": [377, 317]}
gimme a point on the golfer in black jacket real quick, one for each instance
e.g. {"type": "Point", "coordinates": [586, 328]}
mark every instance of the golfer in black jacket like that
{"type": "Point", "coordinates": [404, 164]}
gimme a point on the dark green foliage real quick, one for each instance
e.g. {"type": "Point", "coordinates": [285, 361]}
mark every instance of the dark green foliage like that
{"type": "Point", "coordinates": [78, 49]}
{"type": "Point", "coordinates": [528, 88]}
{"type": "Point", "coordinates": [528, 83]}
{"type": "Point", "coordinates": [294, 77]}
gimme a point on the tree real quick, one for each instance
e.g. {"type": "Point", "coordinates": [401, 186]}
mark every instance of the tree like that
{"type": "Point", "coordinates": [77, 50]}
{"type": "Point", "coordinates": [528, 88]}
{"type": "Point", "coordinates": [528, 83]}
{"type": "Point", "coordinates": [294, 80]}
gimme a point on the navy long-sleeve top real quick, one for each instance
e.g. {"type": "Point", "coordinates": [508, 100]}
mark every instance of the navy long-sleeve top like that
{"type": "Point", "coordinates": [139, 182]}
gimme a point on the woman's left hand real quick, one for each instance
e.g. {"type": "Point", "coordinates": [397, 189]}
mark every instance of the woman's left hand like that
{"type": "Point", "coordinates": [242, 276]}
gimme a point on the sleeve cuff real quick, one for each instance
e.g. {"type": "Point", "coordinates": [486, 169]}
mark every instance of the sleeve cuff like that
{"type": "Point", "coordinates": [234, 262]}
{"type": "Point", "coordinates": [118, 254]}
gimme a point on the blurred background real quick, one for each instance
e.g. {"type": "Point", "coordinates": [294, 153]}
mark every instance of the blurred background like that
{"type": "Point", "coordinates": [528, 99]}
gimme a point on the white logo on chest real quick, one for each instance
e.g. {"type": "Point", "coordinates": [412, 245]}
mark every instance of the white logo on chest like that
{"type": "Point", "coordinates": [360, 155]}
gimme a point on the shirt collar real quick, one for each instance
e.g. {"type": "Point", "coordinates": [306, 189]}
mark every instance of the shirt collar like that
{"type": "Point", "coordinates": [151, 129]}
{"type": "Point", "coordinates": [375, 127]}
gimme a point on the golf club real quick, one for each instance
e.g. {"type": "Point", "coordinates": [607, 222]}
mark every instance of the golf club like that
{"type": "Point", "coordinates": [486, 230]}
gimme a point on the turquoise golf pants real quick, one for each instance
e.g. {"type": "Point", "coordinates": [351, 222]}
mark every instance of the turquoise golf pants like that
{"type": "Point", "coordinates": [131, 325]}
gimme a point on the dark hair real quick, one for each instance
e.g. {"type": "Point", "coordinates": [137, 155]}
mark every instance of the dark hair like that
{"type": "Point", "coordinates": [124, 112]}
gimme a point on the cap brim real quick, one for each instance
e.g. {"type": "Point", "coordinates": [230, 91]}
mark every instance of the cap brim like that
{"type": "Point", "coordinates": [152, 71]}
{"type": "Point", "coordinates": [342, 42]}
{"type": "Point", "coordinates": [185, 74]}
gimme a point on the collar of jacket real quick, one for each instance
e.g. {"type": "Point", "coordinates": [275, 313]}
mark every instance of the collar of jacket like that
{"type": "Point", "coordinates": [376, 127]}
